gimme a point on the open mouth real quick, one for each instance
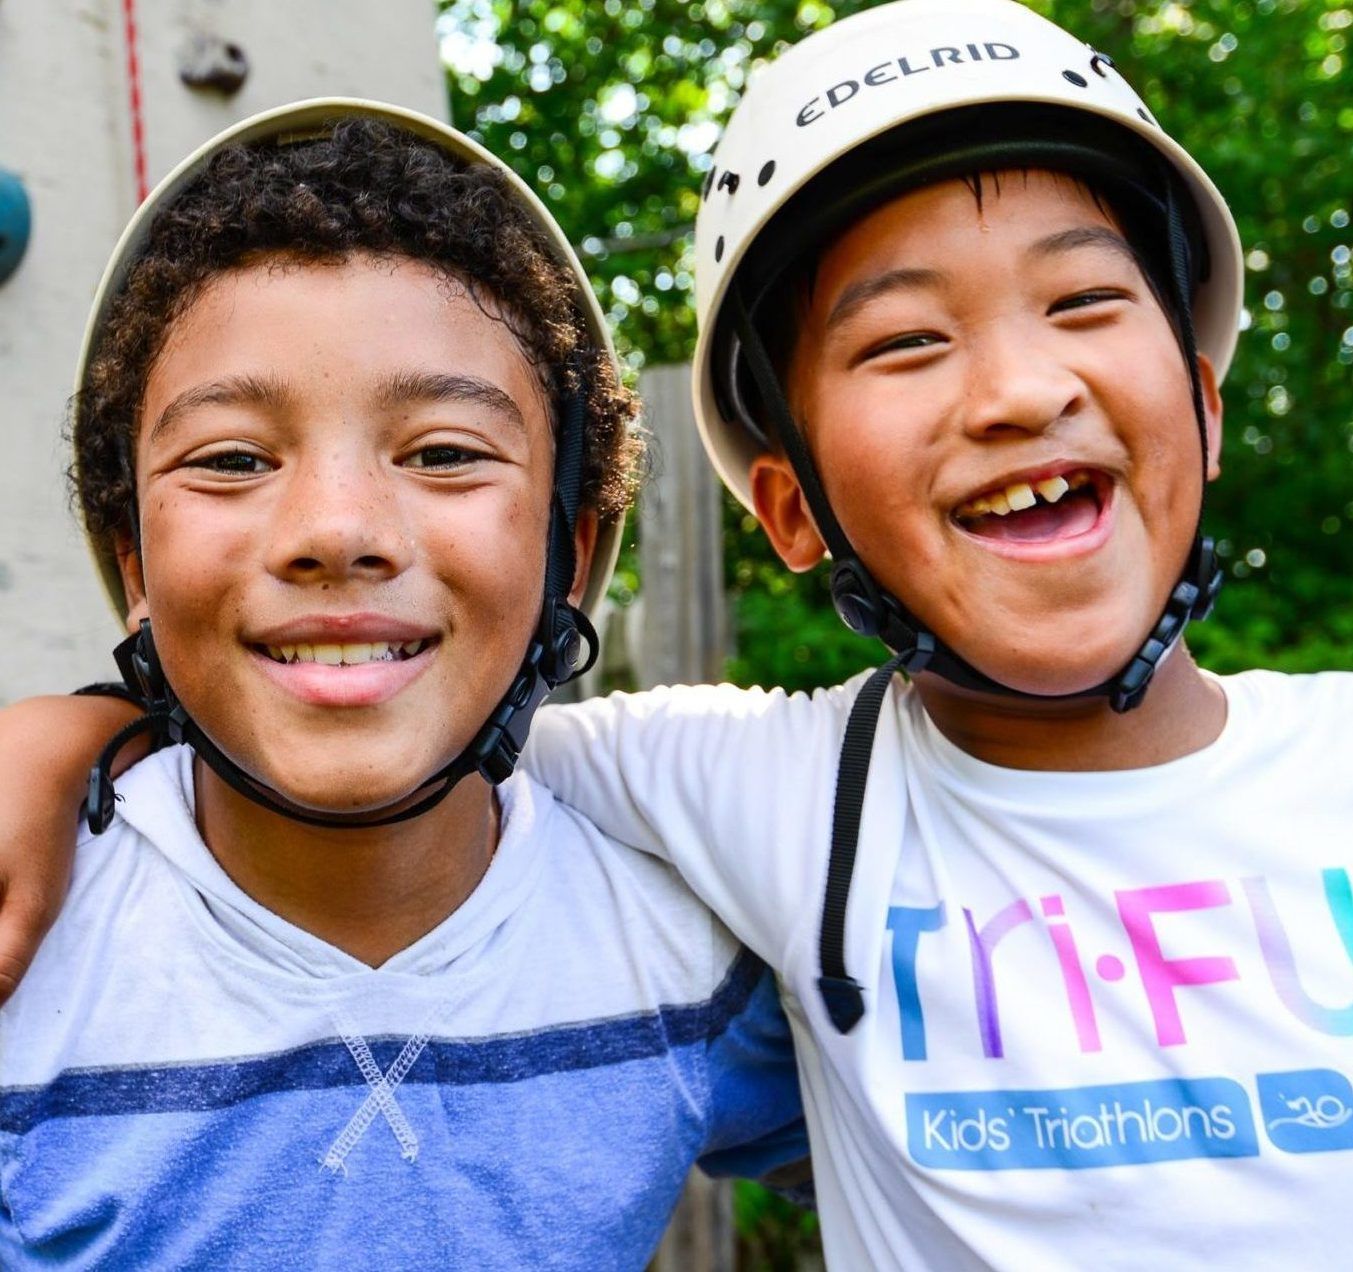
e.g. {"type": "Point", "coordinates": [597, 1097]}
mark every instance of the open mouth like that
{"type": "Point", "coordinates": [1044, 511]}
{"type": "Point", "coordinates": [358, 654]}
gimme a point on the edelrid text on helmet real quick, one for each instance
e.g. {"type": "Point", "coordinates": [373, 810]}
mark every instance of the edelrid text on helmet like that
{"type": "Point", "coordinates": [901, 68]}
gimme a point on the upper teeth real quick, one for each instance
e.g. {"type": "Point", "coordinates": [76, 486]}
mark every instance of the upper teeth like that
{"type": "Point", "coordinates": [347, 655]}
{"type": "Point", "coordinates": [1022, 495]}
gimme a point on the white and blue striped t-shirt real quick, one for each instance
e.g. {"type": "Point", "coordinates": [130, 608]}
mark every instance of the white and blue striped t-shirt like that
{"type": "Point", "coordinates": [188, 1081]}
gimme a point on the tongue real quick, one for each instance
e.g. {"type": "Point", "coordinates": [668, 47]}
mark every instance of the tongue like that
{"type": "Point", "coordinates": [1075, 514]}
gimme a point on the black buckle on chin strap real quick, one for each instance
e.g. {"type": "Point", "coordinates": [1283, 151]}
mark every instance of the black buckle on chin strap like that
{"type": "Point", "coordinates": [139, 664]}
{"type": "Point", "coordinates": [164, 720]}
{"type": "Point", "coordinates": [565, 645]}
{"type": "Point", "coordinates": [1192, 598]}
{"type": "Point", "coordinates": [868, 610]}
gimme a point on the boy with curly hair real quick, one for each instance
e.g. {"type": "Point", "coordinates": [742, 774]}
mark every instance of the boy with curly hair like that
{"type": "Point", "coordinates": [334, 983]}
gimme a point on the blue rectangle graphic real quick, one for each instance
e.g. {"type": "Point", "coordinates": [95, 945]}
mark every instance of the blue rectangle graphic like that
{"type": "Point", "coordinates": [1078, 1128]}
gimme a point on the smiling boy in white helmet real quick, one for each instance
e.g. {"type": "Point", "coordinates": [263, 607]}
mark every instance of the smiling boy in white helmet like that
{"type": "Point", "coordinates": [1081, 997]}
{"type": "Point", "coordinates": [333, 982]}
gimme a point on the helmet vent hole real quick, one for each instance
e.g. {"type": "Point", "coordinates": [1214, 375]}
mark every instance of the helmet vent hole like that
{"type": "Point", "coordinates": [1145, 114]}
{"type": "Point", "coordinates": [709, 184]}
{"type": "Point", "coordinates": [1076, 78]}
{"type": "Point", "coordinates": [718, 249]}
{"type": "Point", "coordinates": [1098, 64]}
{"type": "Point", "coordinates": [766, 173]}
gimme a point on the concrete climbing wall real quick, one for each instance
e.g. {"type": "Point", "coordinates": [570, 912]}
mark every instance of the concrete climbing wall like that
{"type": "Point", "coordinates": [67, 130]}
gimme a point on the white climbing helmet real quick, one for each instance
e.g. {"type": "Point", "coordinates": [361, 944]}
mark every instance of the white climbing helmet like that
{"type": "Point", "coordinates": [875, 72]}
{"type": "Point", "coordinates": [307, 120]}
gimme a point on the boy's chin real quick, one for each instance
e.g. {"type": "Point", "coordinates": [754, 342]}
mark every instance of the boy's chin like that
{"type": "Point", "coordinates": [1056, 647]}
{"type": "Point", "coordinates": [348, 787]}
{"type": "Point", "coordinates": [1054, 669]}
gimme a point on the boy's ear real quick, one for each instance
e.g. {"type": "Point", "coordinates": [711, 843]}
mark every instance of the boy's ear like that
{"type": "Point", "coordinates": [783, 512]}
{"type": "Point", "coordinates": [1212, 412]}
{"type": "Point", "coordinates": [584, 546]}
{"type": "Point", "coordinates": [133, 581]}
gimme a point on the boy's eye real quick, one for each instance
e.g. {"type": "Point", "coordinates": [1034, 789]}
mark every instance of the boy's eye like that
{"type": "Point", "coordinates": [236, 463]}
{"type": "Point", "coordinates": [1085, 300]}
{"type": "Point", "coordinates": [901, 344]}
{"type": "Point", "coordinates": [441, 457]}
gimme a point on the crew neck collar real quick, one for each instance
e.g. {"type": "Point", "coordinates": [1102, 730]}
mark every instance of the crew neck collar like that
{"type": "Point", "coordinates": [1132, 786]}
{"type": "Point", "coordinates": [157, 800]}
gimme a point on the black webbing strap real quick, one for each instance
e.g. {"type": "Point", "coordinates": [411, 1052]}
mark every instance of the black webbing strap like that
{"type": "Point", "coordinates": [567, 494]}
{"type": "Point", "coordinates": [106, 689]}
{"type": "Point", "coordinates": [438, 787]}
{"type": "Point", "coordinates": [1183, 305]}
{"type": "Point", "coordinates": [841, 993]}
{"type": "Point", "coordinates": [100, 797]}
{"type": "Point", "coordinates": [787, 432]}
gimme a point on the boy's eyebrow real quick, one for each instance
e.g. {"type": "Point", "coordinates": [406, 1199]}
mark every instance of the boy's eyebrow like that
{"type": "Point", "coordinates": [396, 390]}
{"type": "Point", "coordinates": [861, 293]}
{"type": "Point", "coordinates": [1082, 236]}
{"type": "Point", "coordinates": [867, 289]}
{"type": "Point", "coordinates": [436, 386]}
{"type": "Point", "coordinates": [232, 390]}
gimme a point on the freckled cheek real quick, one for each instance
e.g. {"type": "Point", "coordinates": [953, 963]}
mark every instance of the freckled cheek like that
{"type": "Point", "coordinates": [493, 555]}
{"type": "Point", "coordinates": [191, 558]}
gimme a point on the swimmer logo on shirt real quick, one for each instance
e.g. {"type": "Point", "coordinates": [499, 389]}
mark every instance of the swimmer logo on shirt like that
{"type": "Point", "coordinates": [1307, 1111]}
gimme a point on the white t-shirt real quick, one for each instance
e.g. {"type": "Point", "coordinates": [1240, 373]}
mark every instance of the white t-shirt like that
{"type": "Point", "coordinates": [187, 1081]}
{"type": "Point", "coordinates": [1109, 1015]}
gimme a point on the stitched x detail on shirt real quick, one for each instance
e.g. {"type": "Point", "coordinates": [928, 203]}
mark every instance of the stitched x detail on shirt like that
{"type": "Point", "coordinates": [380, 1099]}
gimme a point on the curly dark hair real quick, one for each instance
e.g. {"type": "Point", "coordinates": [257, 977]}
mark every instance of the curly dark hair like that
{"type": "Point", "coordinates": [367, 186]}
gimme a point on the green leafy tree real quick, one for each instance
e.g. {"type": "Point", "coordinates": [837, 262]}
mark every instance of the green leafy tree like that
{"type": "Point", "coordinates": [611, 110]}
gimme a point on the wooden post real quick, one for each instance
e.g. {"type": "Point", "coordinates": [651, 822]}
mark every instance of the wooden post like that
{"type": "Point", "coordinates": [700, 1238]}
{"type": "Point", "coordinates": [681, 635]}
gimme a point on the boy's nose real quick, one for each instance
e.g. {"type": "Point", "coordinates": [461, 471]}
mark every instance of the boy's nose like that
{"type": "Point", "coordinates": [336, 523]}
{"type": "Point", "coordinates": [1015, 386]}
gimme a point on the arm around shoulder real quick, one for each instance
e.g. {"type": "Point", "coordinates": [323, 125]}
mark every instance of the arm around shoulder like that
{"type": "Point", "coordinates": [47, 746]}
{"type": "Point", "coordinates": [720, 781]}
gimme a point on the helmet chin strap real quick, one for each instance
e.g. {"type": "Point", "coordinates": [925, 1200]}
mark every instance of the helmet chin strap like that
{"type": "Point", "coordinates": [563, 645]}
{"type": "Point", "coordinates": [869, 610]}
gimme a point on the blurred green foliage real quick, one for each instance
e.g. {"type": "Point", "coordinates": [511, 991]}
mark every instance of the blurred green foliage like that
{"type": "Point", "coordinates": [773, 1234]}
{"type": "Point", "coordinates": [611, 110]}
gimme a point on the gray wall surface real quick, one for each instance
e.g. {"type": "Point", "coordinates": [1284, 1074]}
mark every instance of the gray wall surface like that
{"type": "Point", "coordinates": [65, 129]}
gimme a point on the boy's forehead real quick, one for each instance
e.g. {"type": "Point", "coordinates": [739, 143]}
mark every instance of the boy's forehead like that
{"type": "Point", "coordinates": [1036, 212]}
{"type": "Point", "coordinates": [1023, 194]}
{"type": "Point", "coordinates": [394, 329]}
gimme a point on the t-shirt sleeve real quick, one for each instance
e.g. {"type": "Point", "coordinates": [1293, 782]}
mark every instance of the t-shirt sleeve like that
{"type": "Point", "coordinates": [755, 1127]}
{"type": "Point", "coordinates": [732, 786]}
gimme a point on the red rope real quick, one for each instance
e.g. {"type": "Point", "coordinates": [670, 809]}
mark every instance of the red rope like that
{"type": "Point", "coordinates": [134, 90]}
